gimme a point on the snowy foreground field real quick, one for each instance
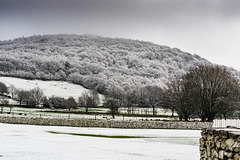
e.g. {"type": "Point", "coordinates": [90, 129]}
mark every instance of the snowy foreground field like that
{"type": "Point", "coordinates": [25, 142]}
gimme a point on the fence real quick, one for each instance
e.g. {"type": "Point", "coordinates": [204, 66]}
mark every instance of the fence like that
{"type": "Point", "coordinates": [220, 123]}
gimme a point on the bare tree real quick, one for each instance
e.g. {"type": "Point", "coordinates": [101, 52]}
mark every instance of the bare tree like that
{"type": "Point", "coordinates": [13, 91]}
{"type": "Point", "coordinates": [3, 88]}
{"type": "Point", "coordinates": [177, 98]}
{"type": "Point", "coordinates": [153, 97]}
{"type": "Point", "coordinates": [4, 103]}
{"type": "Point", "coordinates": [20, 96]}
{"type": "Point", "coordinates": [226, 109]}
{"type": "Point", "coordinates": [89, 99]}
{"type": "Point", "coordinates": [71, 103]}
{"type": "Point", "coordinates": [94, 98]}
{"type": "Point", "coordinates": [212, 87]}
{"type": "Point", "coordinates": [131, 101]}
{"type": "Point", "coordinates": [113, 105]}
{"type": "Point", "coordinates": [83, 100]}
{"type": "Point", "coordinates": [114, 99]}
{"type": "Point", "coordinates": [55, 102]}
{"type": "Point", "coordinates": [211, 90]}
{"type": "Point", "coordinates": [10, 108]}
{"type": "Point", "coordinates": [27, 98]}
{"type": "Point", "coordinates": [37, 96]}
{"type": "Point", "coordinates": [31, 98]}
{"type": "Point", "coordinates": [140, 93]}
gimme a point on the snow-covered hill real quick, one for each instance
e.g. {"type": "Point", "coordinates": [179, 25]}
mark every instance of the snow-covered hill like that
{"type": "Point", "coordinates": [94, 62]}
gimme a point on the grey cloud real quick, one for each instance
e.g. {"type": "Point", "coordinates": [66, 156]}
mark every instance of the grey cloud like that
{"type": "Point", "coordinates": [207, 27]}
{"type": "Point", "coordinates": [133, 9]}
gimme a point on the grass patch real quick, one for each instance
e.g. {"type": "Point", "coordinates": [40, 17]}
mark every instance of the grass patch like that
{"type": "Point", "coordinates": [97, 135]}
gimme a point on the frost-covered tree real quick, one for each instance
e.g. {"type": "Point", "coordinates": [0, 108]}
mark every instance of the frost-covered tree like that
{"type": "Point", "coordinates": [13, 91]}
{"type": "Point", "coordinates": [37, 96]}
{"type": "Point", "coordinates": [94, 62]}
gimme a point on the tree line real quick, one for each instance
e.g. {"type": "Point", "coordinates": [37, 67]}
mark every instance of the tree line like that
{"type": "Point", "coordinates": [36, 98]}
{"type": "Point", "coordinates": [204, 92]}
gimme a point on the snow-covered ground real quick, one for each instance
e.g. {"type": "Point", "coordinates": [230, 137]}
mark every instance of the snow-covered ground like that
{"type": "Point", "coordinates": [42, 112]}
{"type": "Point", "coordinates": [25, 142]}
{"type": "Point", "coordinates": [50, 88]}
{"type": "Point", "coordinates": [65, 89]}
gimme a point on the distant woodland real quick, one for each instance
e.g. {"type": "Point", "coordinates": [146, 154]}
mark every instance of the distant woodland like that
{"type": "Point", "coordinates": [97, 63]}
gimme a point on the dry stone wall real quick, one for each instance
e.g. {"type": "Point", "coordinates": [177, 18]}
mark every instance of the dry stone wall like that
{"type": "Point", "coordinates": [223, 144]}
{"type": "Point", "coordinates": [106, 123]}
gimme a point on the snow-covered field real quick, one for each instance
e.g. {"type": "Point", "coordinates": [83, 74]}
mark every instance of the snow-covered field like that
{"type": "Point", "coordinates": [65, 89]}
{"type": "Point", "coordinates": [50, 88]}
{"type": "Point", "coordinates": [42, 112]}
{"type": "Point", "coordinates": [25, 142]}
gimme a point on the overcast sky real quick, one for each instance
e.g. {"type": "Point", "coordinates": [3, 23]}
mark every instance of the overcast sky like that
{"type": "Point", "coordinates": [209, 28]}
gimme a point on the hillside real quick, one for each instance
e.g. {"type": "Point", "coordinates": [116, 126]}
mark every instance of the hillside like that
{"type": "Point", "coordinates": [50, 88]}
{"type": "Point", "coordinates": [94, 62]}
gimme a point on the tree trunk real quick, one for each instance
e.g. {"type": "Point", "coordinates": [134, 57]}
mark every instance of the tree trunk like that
{"type": "Point", "coordinates": [210, 118]}
{"type": "Point", "coordinates": [225, 116]}
{"type": "Point", "coordinates": [113, 112]}
{"type": "Point", "coordinates": [203, 119]}
{"type": "Point", "coordinates": [113, 115]}
{"type": "Point", "coordinates": [180, 118]}
{"type": "Point", "coordinates": [172, 112]}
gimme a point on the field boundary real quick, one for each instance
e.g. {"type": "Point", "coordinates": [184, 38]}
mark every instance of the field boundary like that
{"type": "Point", "coordinates": [222, 123]}
{"type": "Point", "coordinates": [220, 144]}
{"type": "Point", "coordinates": [105, 123]}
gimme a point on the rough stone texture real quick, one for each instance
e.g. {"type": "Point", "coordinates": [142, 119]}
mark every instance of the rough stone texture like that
{"type": "Point", "coordinates": [105, 123]}
{"type": "Point", "coordinates": [221, 144]}
{"type": "Point", "coordinates": [236, 157]}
